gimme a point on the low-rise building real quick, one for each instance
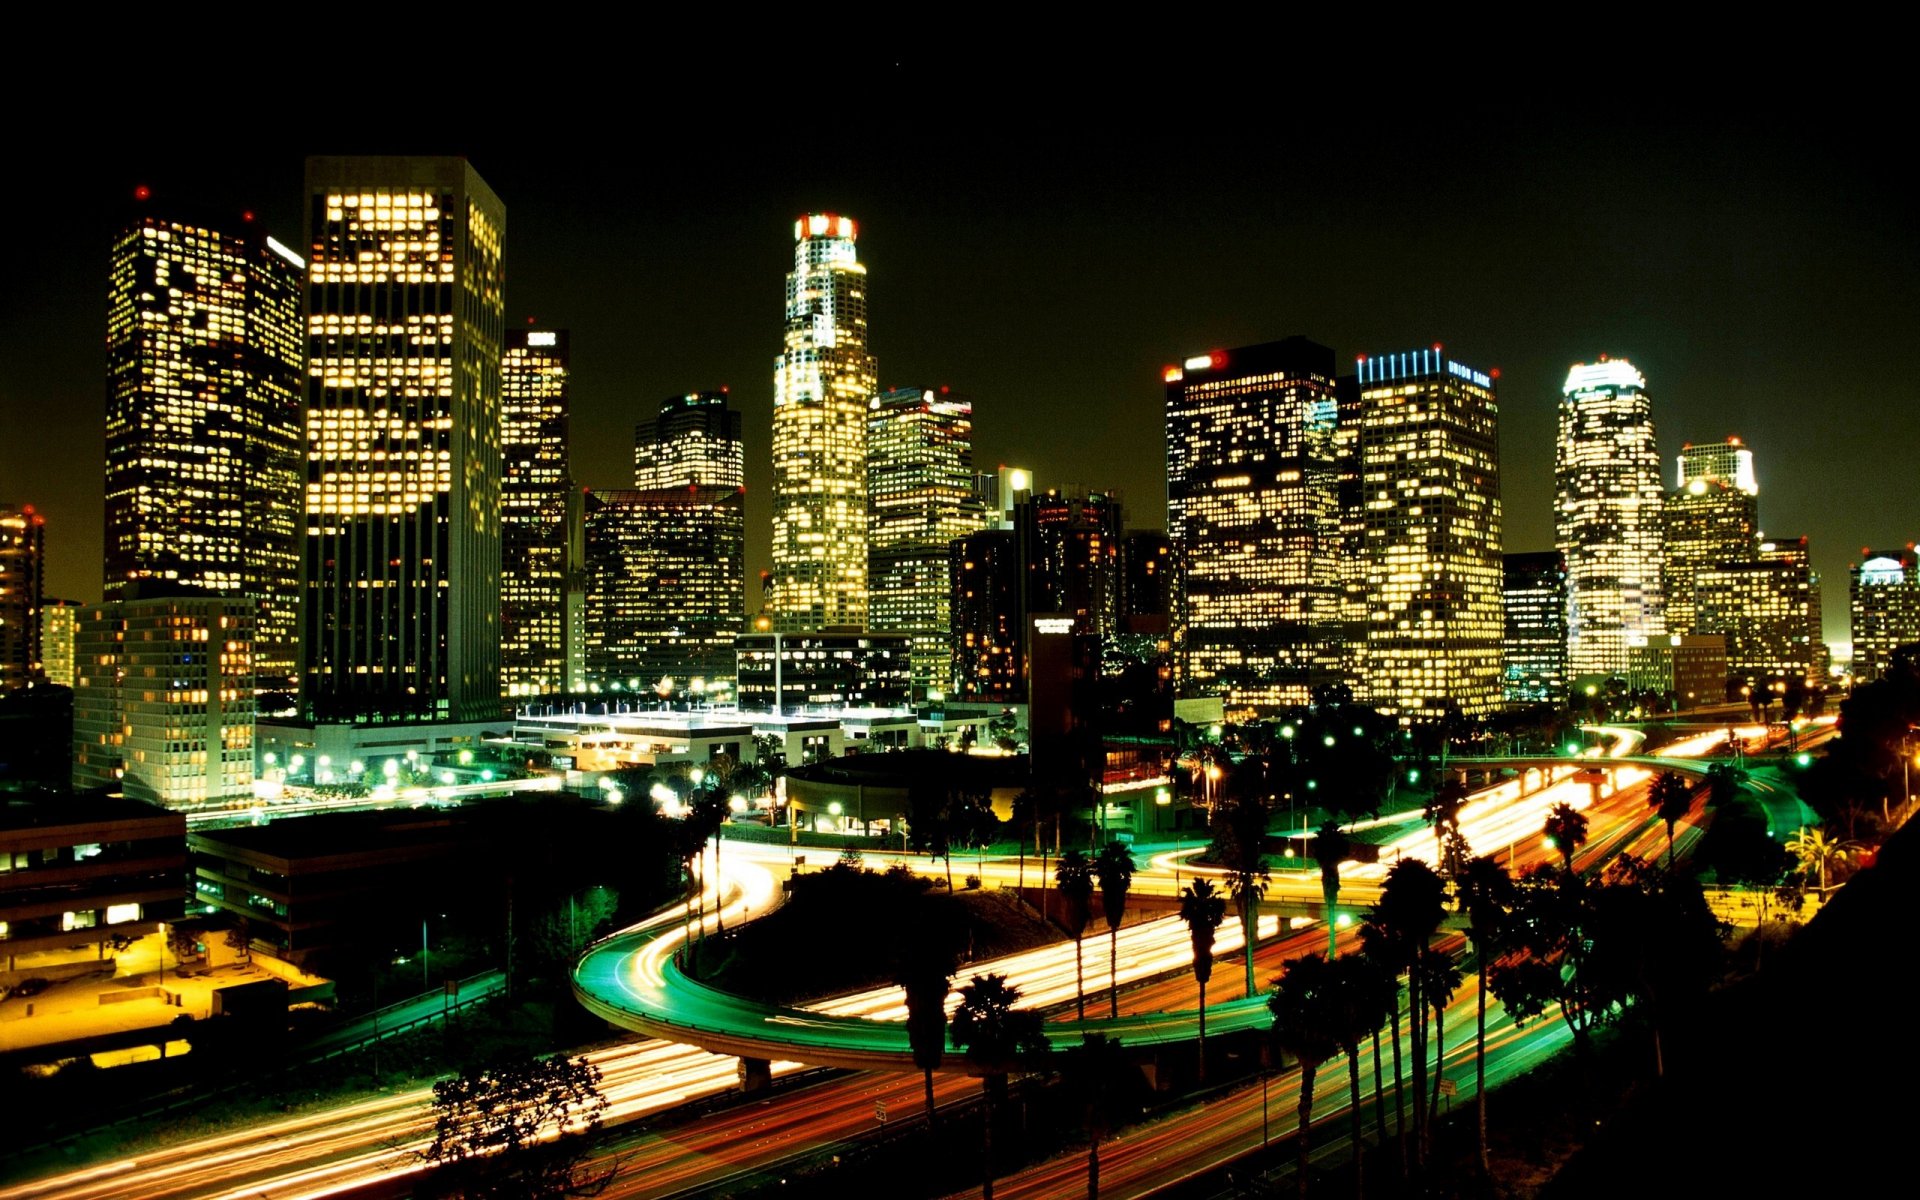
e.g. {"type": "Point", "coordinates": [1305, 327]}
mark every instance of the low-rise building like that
{"type": "Point", "coordinates": [1691, 668]}
{"type": "Point", "coordinates": [79, 871]}
{"type": "Point", "coordinates": [818, 672]}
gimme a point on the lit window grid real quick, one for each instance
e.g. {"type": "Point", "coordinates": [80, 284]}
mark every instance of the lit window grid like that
{"type": "Point", "coordinates": [1535, 641]}
{"type": "Point", "coordinates": [1700, 530]}
{"type": "Point", "coordinates": [1608, 525]}
{"type": "Point", "coordinates": [665, 584]}
{"type": "Point", "coordinates": [203, 421]}
{"type": "Point", "coordinates": [534, 487]}
{"type": "Point", "coordinates": [1884, 615]}
{"type": "Point", "coordinates": [1769, 612]}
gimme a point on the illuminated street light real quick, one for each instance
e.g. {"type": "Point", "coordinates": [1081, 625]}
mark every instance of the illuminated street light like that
{"type": "Point", "coordinates": [390, 768]}
{"type": "Point", "coordinates": [356, 767]}
{"type": "Point", "coordinates": [466, 757]}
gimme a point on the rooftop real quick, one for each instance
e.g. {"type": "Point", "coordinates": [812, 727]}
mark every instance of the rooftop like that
{"type": "Point", "coordinates": [50, 810]}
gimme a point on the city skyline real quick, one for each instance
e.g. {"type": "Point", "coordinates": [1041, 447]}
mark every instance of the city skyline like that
{"type": "Point", "coordinates": [1727, 298]}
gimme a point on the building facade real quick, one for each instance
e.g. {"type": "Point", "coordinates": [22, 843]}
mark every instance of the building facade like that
{"type": "Point", "coordinates": [58, 619]}
{"type": "Point", "coordinates": [694, 442]}
{"type": "Point", "coordinates": [1690, 668]}
{"type": "Point", "coordinates": [1883, 595]}
{"type": "Point", "coordinates": [665, 590]}
{"type": "Point", "coordinates": [1252, 503]}
{"type": "Point", "coordinates": [1707, 521]}
{"type": "Point", "coordinates": [400, 597]}
{"type": "Point", "coordinates": [783, 673]}
{"type": "Point", "coordinates": [539, 547]}
{"type": "Point", "coordinates": [1607, 515]}
{"type": "Point", "coordinates": [83, 870]}
{"type": "Point", "coordinates": [921, 496]}
{"type": "Point", "coordinates": [823, 383]}
{"type": "Point", "coordinates": [163, 698]}
{"type": "Point", "coordinates": [23, 569]}
{"type": "Point", "coordinates": [1730, 462]}
{"type": "Point", "coordinates": [1428, 450]}
{"type": "Point", "coordinates": [988, 571]}
{"type": "Point", "coordinates": [1768, 609]}
{"type": "Point", "coordinates": [1533, 594]}
{"type": "Point", "coordinates": [205, 369]}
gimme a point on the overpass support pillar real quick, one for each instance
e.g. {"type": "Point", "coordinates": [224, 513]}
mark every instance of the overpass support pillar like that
{"type": "Point", "coordinates": [756, 1074]}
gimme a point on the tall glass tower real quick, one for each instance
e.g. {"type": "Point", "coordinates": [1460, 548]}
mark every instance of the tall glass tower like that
{"type": "Point", "coordinates": [1428, 457]}
{"type": "Point", "coordinates": [822, 383]}
{"type": "Point", "coordinates": [1253, 505]}
{"type": "Point", "coordinates": [1607, 515]}
{"type": "Point", "coordinates": [400, 602]}
{"type": "Point", "coordinates": [920, 497]}
{"type": "Point", "coordinates": [204, 375]}
{"type": "Point", "coordinates": [537, 565]}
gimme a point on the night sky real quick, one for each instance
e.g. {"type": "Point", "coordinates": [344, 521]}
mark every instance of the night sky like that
{"type": "Point", "coordinates": [1048, 258]}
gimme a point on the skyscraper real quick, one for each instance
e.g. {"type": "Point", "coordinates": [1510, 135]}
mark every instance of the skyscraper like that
{"type": "Point", "coordinates": [1705, 522]}
{"type": "Point", "coordinates": [536, 567]}
{"type": "Point", "coordinates": [1252, 502]}
{"type": "Point", "coordinates": [1534, 596]}
{"type": "Point", "coordinates": [1428, 449]}
{"type": "Point", "coordinates": [23, 568]}
{"type": "Point", "coordinates": [1729, 461]}
{"type": "Point", "coordinates": [58, 618]}
{"type": "Point", "coordinates": [1607, 514]}
{"type": "Point", "coordinates": [1768, 609]}
{"type": "Point", "coordinates": [694, 442]}
{"type": "Point", "coordinates": [822, 384]}
{"type": "Point", "coordinates": [1884, 599]}
{"type": "Point", "coordinates": [921, 495]}
{"type": "Point", "coordinates": [401, 578]}
{"type": "Point", "coordinates": [204, 376]}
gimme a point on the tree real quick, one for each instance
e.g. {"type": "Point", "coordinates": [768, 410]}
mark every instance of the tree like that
{"type": "Point", "coordinates": [1671, 797]}
{"type": "Point", "coordinates": [1723, 782]}
{"type": "Point", "coordinates": [996, 1037]}
{"type": "Point", "coordinates": [1487, 891]}
{"type": "Point", "coordinates": [182, 943]}
{"type": "Point", "coordinates": [239, 938]}
{"type": "Point", "coordinates": [1740, 851]}
{"type": "Point", "coordinates": [516, 1129]}
{"type": "Point", "coordinates": [1074, 876]}
{"type": "Point", "coordinates": [1817, 854]}
{"type": "Point", "coordinates": [1363, 992]}
{"type": "Point", "coordinates": [924, 971]}
{"type": "Point", "coordinates": [929, 828]}
{"type": "Point", "coordinates": [1101, 1083]}
{"type": "Point", "coordinates": [1566, 831]}
{"type": "Point", "coordinates": [1654, 939]}
{"type": "Point", "coordinates": [1411, 906]}
{"type": "Point", "coordinates": [1306, 1025]}
{"type": "Point", "coordinates": [1443, 814]}
{"type": "Point", "coordinates": [1439, 980]}
{"type": "Point", "coordinates": [1331, 847]}
{"type": "Point", "coordinates": [1114, 869]}
{"type": "Point", "coordinates": [1239, 844]}
{"type": "Point", "coordinates": [1202, 908]}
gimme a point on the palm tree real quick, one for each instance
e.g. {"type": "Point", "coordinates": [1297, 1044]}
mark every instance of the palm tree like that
{"type": "Point", "coordinates": [1305, 1025]}
{"type": "Point", "coordinates": [1412, 904]}
{"type": "Point", "coordinates": [1239, 836]}
{"type": "Point", "coordinates": [1100, 1079]}
{"type": "Point", "coordinates": [1360, 1007]}
{"type": "Point", "coordinates": [1379, 945]}
{"type": "Point", "coordinates": [1114, 869]}
{"type": "Point", "coordinates": [1723, 782]}
{"type": "Point", "coordinates": [925, 972]}
{"type": "Point", "coordinates": [1443, 814]}
{"type": "Point", "coordinates": [1487, 891]}
{"type": "Point", "coordinates": [1816, 853]}
{"type": "Point", "coordinates": [1202, 909]}
{"type": "Point", "coordinates": [1074, 875]}
{"type": "Point", "coordinates": [1670, 796]}
{"type": "Point", "coordinates": [1331, 847]}
{"type": "Point", "coordinates": [996, 1037]}
{"type": "Point", "coordinates": [1566, 831]}
{"type": "Point", "coordinates": [1439, 980]}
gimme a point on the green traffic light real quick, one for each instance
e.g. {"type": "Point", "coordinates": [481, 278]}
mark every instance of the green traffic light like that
{"type": "Point", "coordinates": [1803, 759]}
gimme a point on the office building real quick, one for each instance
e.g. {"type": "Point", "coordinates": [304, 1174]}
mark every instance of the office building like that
{"type": "Point", "coordinates": [205, 370]}
{"type": "Point", "coordinates": [82, 871]}
{"type": "Point", "coordinates": [988, 618]}
{"type": "Point", "coordinates": [1149, 582]}
{"type": "Point", "coordinates": [1252, 503]}
{"type": "Point", "coordinates": [163, 696]}
{"type": "Point", "coordinates": [58, 618]}
{"type": "Point", "coordinates": [921, 495]}
{"type": "Point", "coordinates": [1607, 515]}
{"type": "Point", "coordinates": [1706, 521]}
{"type": "Point", "coordinates": [539, 546]}
{"type": "Point", "coordinates": [1689, 669]}
{"type": "Point", "coordinates": [823, 382]}
{"type": "Point", "coordinates": [1883, 594]}
{"type": "Point", "coordinates": [694, 442]}
{"type": "Point", "coordinates": [1074, 538]}
{"type": "Point", "coordinates": [1534, 652]}
{"type": "Point", "coordinates": [1768, 609]}
{"type": "Point", "coordinates": [665, 590]}
{"type": "Point", "coordinates": [23, 569]}
{"type": "Point", "coordinates": [400, 607]}
{"type": "Point", "coordinates": [1729, 462]}
{"type": "Point", "coordinates": [786, 673]}
{"type": "Point", "coordinates": [1428, 454]}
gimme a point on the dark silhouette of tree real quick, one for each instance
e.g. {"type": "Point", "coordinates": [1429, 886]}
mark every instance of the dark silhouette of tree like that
{"type": "Point", "coordinates": [1723, 783]}
{"type": "Point", "coordinates": [239, 938]}
{"type": "Point", "coordinates": [1487, 891]}
{"type": "Point", "coordinates": [929, 829]}
{"type": "Point", "coordinates": [1443, 814]}
{"type": "Point", "coordinates": [997, 1037]}
{"type": "Point", "coordinates": [1114, 869]}
{"type": "Point", "coordinates": [1239, 844]}
{"type": "Point", "coordinates": [517, 1128]}
{"type": "Point", "coordinates": [1671, 797]}
{"type": "Point", "coordinates": [1566, 831]}
{"type": "Point", "coordinates": [1439, 981]}
{"type": "Point", "coordinates": [1740, 851]}
{"type": "Point", "coordinates": [1654, 939]}
{"type": "Point", "coordinates": [1306, 1025]}
{"type": "Point", "coordinates": [1331, 847]}
{"type": "Point", "coordinates": [1411, 906]}
{"type": "Point", "coordinates": [924, 971]}
{"type": "Point", "coordinates": [1547, 954]}
{"type": "Point", "coordinates": [1073, 874]}
{"type": "Point", "coordinates": [1363, 993]}
{"type": "Point", "coordinates": [1202, 908]}
{"type": "Point", "coordinates": [1102, 1084]}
